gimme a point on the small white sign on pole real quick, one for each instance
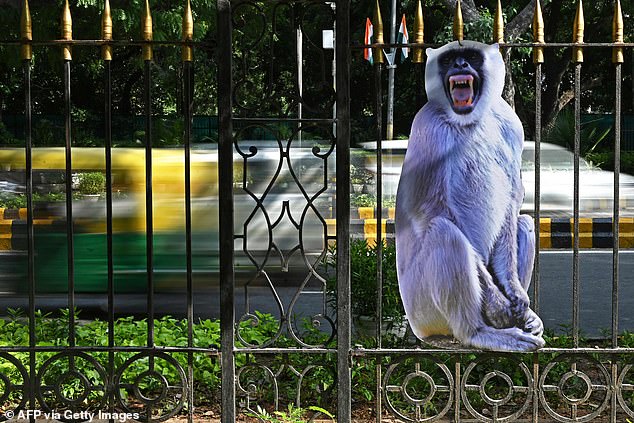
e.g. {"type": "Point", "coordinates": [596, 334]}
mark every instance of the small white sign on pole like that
{"type": "Point", "coordinates": [328, 38]}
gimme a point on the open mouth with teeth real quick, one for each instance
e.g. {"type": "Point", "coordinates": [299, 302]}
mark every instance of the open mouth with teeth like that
{"type": "Point", "coordinates": [462, 90]}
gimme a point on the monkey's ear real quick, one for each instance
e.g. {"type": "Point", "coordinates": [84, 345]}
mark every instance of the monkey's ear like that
{"type": "Point", "coordinates": [495, 46]}
{"type": "Point", "coordinates": [430, 51]}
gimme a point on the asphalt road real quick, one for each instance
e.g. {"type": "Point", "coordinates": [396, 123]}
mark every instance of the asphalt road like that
{"type": "Point", "coordinates": [555, 295]}
{"type": "Point", "coordinates": [595, 291]}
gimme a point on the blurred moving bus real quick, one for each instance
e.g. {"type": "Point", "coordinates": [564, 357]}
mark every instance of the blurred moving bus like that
{"type": "Point", "coordinates": [268, 214]}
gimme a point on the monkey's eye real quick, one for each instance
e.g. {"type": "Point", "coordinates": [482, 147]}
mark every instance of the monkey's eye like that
{"type": "Point", "coordinates": [473, 58]}
{"type": "Point", "coordinates": [446, 60]}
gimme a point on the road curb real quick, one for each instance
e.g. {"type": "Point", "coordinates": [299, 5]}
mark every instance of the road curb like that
{"type": "Point", "coordinates": [554, 233]}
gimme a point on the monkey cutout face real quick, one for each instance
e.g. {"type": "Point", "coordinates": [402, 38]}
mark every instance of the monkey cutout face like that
{"type": "Point", "coordinates": [460, 70]}
{"type": "Point", "coordinates": [462, 77]}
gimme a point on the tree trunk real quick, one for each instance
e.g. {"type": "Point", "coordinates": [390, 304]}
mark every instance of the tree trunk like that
{"type": "Point", "coordinates": [554, 66]}
{"type": "Point", "coordinates": [125, 104]}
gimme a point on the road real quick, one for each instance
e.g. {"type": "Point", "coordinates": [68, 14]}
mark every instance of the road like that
{"type": "Point", "coordinates": [555, 295]}
{"type": "Point", "coordinates": [595, 290]}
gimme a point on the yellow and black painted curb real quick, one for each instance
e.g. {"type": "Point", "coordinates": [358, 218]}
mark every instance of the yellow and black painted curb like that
{"type": "Point", "coordinates": [554, 233]}
{"type": "Point", "coordinates": [594, 232]}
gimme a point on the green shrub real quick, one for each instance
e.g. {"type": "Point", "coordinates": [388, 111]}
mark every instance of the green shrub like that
{"type": "Point", "coordinates": [7, 138]}
{"type": "Point", "coordinates": [360, 175]}
{"type": "Point", "coordinates": [91, 183]}
{"type": "Point", "coordinates": [53, 331]}
{"type": "Point", "coordinates": [47, 134]}
{"type": "Point", "coordinates": [389, 202]}
{"type": "Point", "coordinates": [12, 201]}
{"type": "Point", "coordinates": [362, 200]}
{"type": "Point", "coordinates": [17, 201]}
{"type": "Point", "coordinates": [168, 132]}
{"type": "Point", "coordinates": [363, 276]}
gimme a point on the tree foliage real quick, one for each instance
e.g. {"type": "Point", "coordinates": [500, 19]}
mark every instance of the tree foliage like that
{"type": "Point", "coordinates": [265, 62]}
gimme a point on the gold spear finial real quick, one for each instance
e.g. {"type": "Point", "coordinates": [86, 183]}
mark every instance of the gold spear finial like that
{"type": "Point", "coordinates": [617, 33]}
{"type": "Point", "coordinates": [458, 23]}
{"type": "Point", "coordinates": [498, 24]}
{"type": "Point", "coordinates": [419, 34]}
{"type": "Point", "coordinates": [67, 31]}
{"type": "Point", "coordinates": [146, 31]}
{"type": "Point", "coordinates": [188, 32]}
{"type": "Point", "coordinates": [538, 34]}
{"type": "Point", "coordinates": [26, 31]}
{"type": "Point", "coordinates": [577, 34]}
{"type": "Point", "coordinates": [106, 32]}
{"type": "Point", "coordinates": [378, 32]}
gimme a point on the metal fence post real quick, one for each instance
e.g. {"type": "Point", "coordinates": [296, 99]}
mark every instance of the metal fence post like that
{"type": "Point", "coordinates": [225, 191]}
{"type": "Point", "coordinates": [344, 405]}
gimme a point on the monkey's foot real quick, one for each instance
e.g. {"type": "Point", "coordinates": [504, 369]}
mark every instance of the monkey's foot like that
{"type": "Point", "coordinates": [511, 339]}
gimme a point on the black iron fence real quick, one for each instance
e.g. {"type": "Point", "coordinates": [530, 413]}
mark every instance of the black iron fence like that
{"type": "Point", "coordinates": [277, 250]}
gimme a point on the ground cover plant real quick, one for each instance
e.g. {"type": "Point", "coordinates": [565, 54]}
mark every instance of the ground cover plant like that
{"type": "Point", "coordinates": [316, 389]}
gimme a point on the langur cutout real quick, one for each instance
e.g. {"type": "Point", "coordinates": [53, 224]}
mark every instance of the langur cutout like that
{"type": "Point", "coordinates": [464, 254]}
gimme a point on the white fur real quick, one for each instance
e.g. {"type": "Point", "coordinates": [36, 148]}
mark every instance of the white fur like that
{"type": "Point", "coordinates": [491, 91]}
{"type": "Point", "coordinates": [464, 256]}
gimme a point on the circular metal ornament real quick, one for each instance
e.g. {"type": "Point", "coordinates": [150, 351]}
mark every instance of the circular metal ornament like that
{"type": "Point", "coordinates": [593, 377]}
{"type": "Point", "coordinates": [622, 386]}
{"type": "Point", "coordinates": [151, 374]}
{"type": "Point", "coordinates": [490, 400]}
{"type": "Point", "coordinates": [10, 392]}
{"type": "Point", "coordinates": [499, 405]}
{"type": "Point", "coordinates": [72, 383]}
{"type": "Point", "coordinates": [167, 397]}
{"type": "Point", "coordinates": [417, 403]}
{"type": "Point", "coordinates": [69, 376]}
{"type": "Point", "coordinates": [411, 378]}
{"type": "Point", "coordinates": [568, 377]}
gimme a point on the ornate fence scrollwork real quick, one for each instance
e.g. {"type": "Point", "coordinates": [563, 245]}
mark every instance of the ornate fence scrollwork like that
{"type": "Point", "coordinates": [579, 384]}
{"type": "Point", "coordinates": [265, 385]}
{"type": "Point", "coordinates": [419, 389]}
{"type": "Point", "coordinates": [9, 391]}
{"type": "Point", "coordinates": [68, 379]}
{"type": "Point", "coordinates": [300, 167]}
{"type": "Point", "coordinates": [505, 397]}
{"type": "Point", "coordinates": [155, 386]}
{"type": "Point", "coordinates": [625, 386]}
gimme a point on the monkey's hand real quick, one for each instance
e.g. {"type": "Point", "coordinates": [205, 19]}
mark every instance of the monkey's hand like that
{"type": "Point", "coordinates": [533, 324]}
{"type": "Point", "coordinates": [519, 305]}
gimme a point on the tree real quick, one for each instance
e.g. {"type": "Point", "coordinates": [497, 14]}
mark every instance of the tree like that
{"type": "Point", "coordinates": [557, 69]}
{"type": "Point", "coordinates": [265, 66]}
{"type": "Point", "coordinates": [127, 65]}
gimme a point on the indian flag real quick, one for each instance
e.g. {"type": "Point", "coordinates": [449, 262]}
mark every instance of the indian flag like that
{"type": "Point", "coordinates": [369, 32]}
{"type": "Point", "coordinates": [403, 38]}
